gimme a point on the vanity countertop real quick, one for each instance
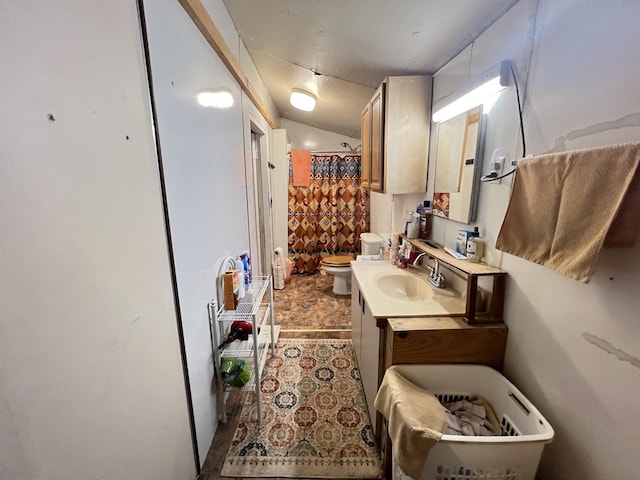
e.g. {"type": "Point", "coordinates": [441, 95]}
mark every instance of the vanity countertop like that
{"type": "Point", "coordinates": [389, 294]}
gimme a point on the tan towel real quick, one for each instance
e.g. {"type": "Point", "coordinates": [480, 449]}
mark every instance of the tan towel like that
{"type": "Point", "coordinates": [301, 167]}
{"type": "Point", "coordinates": [564, 205]}
{"type": "Point", "coordinates": [415, 420]}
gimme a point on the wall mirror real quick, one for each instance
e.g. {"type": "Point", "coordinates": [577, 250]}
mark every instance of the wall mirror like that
{"type": "Point", "coordinates": [460, 143]}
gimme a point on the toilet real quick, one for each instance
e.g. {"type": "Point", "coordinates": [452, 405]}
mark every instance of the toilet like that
{"type": "Point", "coordinates": [340, 265]}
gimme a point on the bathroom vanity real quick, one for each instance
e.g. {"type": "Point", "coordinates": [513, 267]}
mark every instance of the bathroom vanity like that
{"type": "Point", "coordinates": [399, 318]}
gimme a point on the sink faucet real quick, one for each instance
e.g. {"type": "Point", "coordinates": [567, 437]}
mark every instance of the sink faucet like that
{"type": "Point", "coordinates": [415, 260]}
{"type": "Point", "coordinates": [435, 277]}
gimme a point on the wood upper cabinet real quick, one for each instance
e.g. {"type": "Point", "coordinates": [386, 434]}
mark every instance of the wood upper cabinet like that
{"type": "Point", "coordinates": [377, 145]}
{"type": "Point", "coordinates": [365, 158]}
{"type": "Point", "coordinates": [395, 135]}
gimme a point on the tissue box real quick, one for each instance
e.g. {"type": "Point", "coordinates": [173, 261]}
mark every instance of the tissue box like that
{"type": "Point", "coordinates": [461, 241]}
{"type": "Point", "coordinates": [230, 286]}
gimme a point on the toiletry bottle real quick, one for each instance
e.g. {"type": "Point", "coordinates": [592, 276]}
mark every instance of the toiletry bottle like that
{"type": "Point", "coordinates": [241, 274]}
{"type": "Point", "coordinates": [414, 226]}
{"type": "Point", "coordinates": [475, 247]}
{"type": "Point", "coordinates": [246, 260]}
{"type": "Point", "coordinates": [407, 221]}
{"type": "Point", "coordinates": [399, 253]}
{"type": "Point", "coordinates": [394, 247]}
{"type": "Point", "coordinates": [425, 221]}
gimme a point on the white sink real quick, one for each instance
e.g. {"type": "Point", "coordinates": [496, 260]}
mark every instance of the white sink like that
{"type": "Point", "coordinates": [404, 287]}
{"type": "Point", "coordinates": [392, 292]}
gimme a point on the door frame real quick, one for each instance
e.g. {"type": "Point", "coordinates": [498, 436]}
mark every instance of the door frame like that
{"type": "Point", "coordinates": [258, 180]}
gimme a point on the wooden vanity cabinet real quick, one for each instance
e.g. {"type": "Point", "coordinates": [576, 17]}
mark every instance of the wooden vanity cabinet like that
{"type": "Point", "coordinates": [438, 340]}
{"type": "Point", "coordinates": [395, 135]}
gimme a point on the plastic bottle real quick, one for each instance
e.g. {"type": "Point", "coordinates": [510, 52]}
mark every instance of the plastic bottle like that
{"type": "Point", "coordinates": [241, 274]}
{"type": "Point", "coordinates": [425, 221]}
{"type": "Point", "coordinates": [407, 221]}
{"type": "Point", "coordinates": [475, 247]}
{"type": "Point", "coordinates": [244, 256]}
{"type": "Point", "coordinates": [413, 227]}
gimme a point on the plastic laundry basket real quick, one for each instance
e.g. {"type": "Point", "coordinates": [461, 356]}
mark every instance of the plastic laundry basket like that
{"type": "Point", "coordinates": [513, 456]}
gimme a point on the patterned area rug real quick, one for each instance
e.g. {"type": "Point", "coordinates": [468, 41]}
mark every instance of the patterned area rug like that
{"type": "Point", "coordinates": [315, 422]}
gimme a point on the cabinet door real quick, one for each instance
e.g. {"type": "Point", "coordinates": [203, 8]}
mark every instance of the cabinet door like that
{"type": "Point", "coordinates": [407, 120]}
{"type": "Point", "coordinates": [377, 139]}
{"type": "Point", "coordinates": [370, 361]}
{"type": "Point", "coordinates": [356, 317]}
{"type": "Point", "coordinates": [365, 157]}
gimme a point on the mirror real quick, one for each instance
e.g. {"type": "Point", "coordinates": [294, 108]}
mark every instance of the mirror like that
{"type": "Point", "coordinates": [458, 164]}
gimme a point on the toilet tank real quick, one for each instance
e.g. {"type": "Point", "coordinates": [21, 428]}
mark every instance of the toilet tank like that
{"type": "Point", "coordinates": [371, 243]}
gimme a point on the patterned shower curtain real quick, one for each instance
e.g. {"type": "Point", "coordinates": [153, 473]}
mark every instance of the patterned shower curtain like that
{"type": "Point", "coordinates": [327, 217]}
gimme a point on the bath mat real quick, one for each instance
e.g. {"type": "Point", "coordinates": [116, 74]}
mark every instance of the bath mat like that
{"type": "Point", "coordinates": [315, 421]}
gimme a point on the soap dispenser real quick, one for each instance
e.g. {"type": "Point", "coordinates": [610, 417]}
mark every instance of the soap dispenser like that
{"type": "Point", "coordinates": [475, 247]}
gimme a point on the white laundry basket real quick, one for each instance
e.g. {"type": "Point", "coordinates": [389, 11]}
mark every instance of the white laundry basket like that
{"type": "Point", "coordinates": [513, 456]}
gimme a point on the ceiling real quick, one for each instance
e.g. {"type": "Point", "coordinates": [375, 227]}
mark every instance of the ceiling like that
{"type": "Point", "coordinates": [341, 50]}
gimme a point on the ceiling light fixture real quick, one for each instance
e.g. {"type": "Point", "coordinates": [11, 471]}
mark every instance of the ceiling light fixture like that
{"type": "Point", "coordinates": [215, 98]}
{"type": "Point", "coordinates": [474, 93]}
{"type": "Point", "coordinates": [302, 100]}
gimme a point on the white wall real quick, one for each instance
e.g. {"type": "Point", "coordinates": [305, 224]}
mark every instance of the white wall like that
{"type": "Point", "coordinates": [91, 383]}
{"type": "Point", "coordinates": [572, 348]}
{"type": "Point", "coordinates": [209, 179]}
{"type": "Point", "coordinates": [218, 12]}
{"type": "Point", "coordinates": [306, 137]}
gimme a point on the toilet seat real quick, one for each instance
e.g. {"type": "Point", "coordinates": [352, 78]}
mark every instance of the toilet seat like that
{"type": "Point", "coordinates": [337, 261]}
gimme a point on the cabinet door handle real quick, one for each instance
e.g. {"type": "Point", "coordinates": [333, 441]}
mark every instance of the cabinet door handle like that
{"type": "Point", "coordinates": [363, 306]}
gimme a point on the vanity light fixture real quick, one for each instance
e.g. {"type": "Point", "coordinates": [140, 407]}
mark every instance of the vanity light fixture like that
{"type": "Point", "coordinates": [474, 93]}
{"type": "Point", "coordinates": [302, 100]}
{"type": "Point", "coordinates": [220, 98]}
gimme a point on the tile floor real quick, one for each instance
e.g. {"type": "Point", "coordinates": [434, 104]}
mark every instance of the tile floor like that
{"type": "Point", "coordinates": [308, 308]}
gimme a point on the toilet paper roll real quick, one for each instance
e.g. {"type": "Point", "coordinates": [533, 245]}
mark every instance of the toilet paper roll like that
{"type": "Point", "coordinates": [278, 256]}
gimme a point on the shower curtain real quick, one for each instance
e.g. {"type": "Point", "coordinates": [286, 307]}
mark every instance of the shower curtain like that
{"type": "Point", "coordinates": [327, 217]}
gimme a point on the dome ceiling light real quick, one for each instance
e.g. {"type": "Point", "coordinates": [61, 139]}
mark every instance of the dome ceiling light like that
{"type": "Point", "coordinates": [302, 100]}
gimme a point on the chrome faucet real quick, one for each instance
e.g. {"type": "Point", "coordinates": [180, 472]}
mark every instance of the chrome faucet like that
{"type": "Point", "coordinates": [415, 260]}
{"type": "Point", "coordinates": [435, 277]}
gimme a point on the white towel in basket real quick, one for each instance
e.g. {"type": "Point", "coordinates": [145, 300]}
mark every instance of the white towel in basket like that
{"type": "Point", "coordinates": [475, 417]}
